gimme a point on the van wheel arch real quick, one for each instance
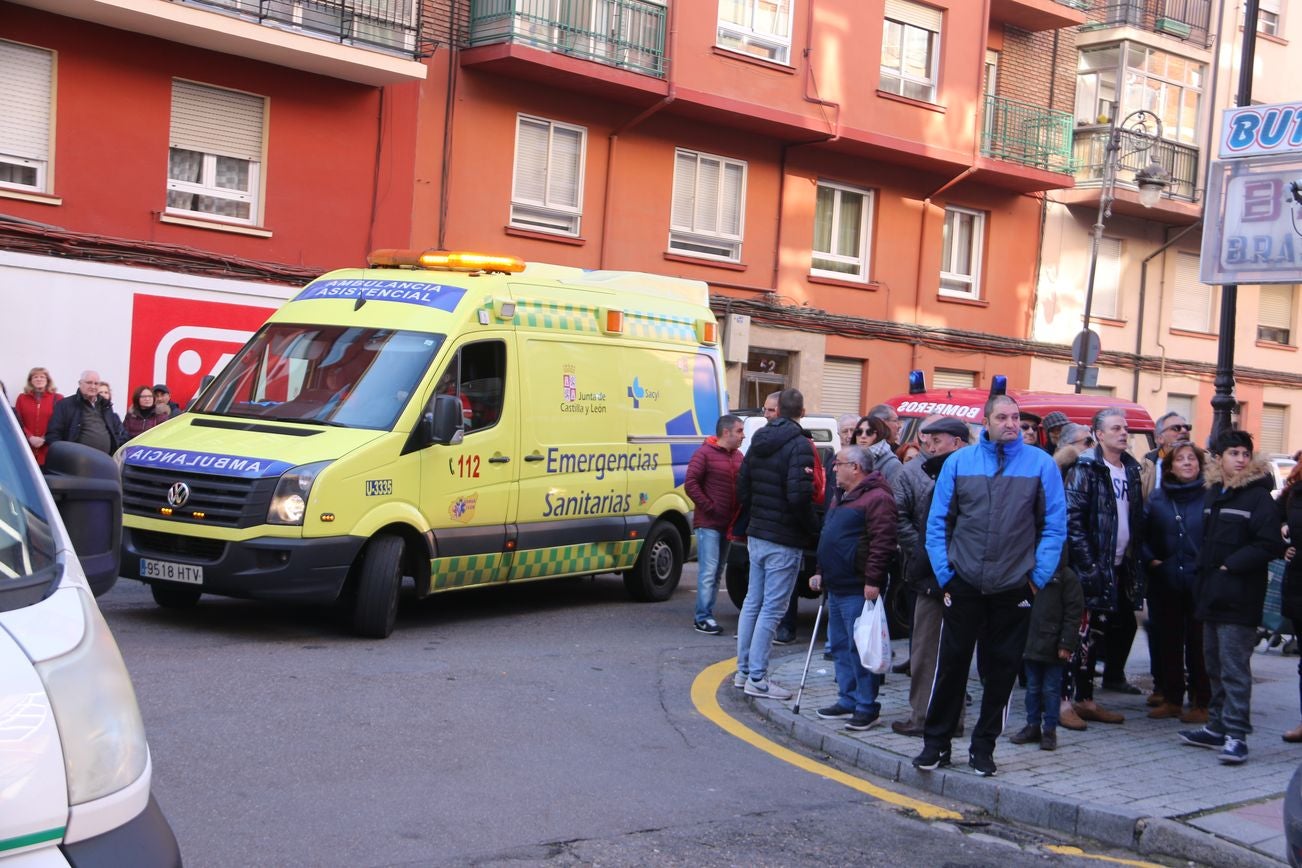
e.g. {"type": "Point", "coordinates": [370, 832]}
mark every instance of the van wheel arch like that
{"type": "Point", "coordinates": [659, 566]}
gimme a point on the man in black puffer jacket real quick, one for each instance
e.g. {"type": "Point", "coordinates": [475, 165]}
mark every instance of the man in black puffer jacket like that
{"type": "Point", "coordinates": [775, 490]}
{"type": "Point", "coordinates": [1241, 535]}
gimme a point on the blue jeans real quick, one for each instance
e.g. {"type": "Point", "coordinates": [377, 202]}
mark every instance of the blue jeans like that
{"type": "Point", "coordinates": [856, 687]}
{"type": "Point", "coordinates": [1043, 692]}
{"type": "Point", "coordinates": [773, 571]}
{"type": "Point", "coordinates": [711, 561]}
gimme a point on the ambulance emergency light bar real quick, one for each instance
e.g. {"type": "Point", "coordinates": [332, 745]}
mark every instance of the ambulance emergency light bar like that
{"type": "Point", "coordinates": [445, 260]}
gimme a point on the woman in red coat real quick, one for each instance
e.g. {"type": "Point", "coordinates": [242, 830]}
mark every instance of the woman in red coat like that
{"type": "Point", "coordinates": [34, 408]}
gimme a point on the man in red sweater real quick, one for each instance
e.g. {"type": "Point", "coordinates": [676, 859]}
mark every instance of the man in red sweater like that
{"type": "Point", "coordinates": [712, 486]}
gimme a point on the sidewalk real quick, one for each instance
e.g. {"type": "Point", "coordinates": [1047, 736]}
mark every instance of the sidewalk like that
{"type": "Point", "coordinates": [1133, 785]}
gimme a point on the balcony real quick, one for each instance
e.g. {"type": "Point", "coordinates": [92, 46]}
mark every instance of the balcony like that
{"type": "Point", "coordinates": [1179, 203]}
{"type": "Point", "coordinates": [626, 34]}
{"type": "Point", "coordinates": [1186, 20]}
{"type": "Point", "coordinates": [1031, 135]}
{"type": "Point", "coordinates": [1038, 15]}
{"type": "Point", "coordinates": [372, 42]}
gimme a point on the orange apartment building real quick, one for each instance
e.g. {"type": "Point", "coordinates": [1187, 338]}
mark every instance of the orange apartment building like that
{"type": "Point", "coordinates": [861, 183]}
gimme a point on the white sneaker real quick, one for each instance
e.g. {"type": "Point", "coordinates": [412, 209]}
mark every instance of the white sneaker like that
{"type": "Point", "coordinates": [766, 689]}
{"type": "Point", "coordinates": [739, 680]}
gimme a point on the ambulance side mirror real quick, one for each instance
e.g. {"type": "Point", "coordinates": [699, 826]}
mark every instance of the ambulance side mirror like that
{"type": "Point", "coordinates": [442, 425]}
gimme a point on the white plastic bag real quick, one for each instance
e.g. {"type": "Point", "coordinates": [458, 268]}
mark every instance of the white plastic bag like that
{"type": "Point", "coordinates": [873, 638]}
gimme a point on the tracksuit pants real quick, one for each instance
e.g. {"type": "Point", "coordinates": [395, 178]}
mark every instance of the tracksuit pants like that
{"type": "Point", "coordinates": [998, 623]}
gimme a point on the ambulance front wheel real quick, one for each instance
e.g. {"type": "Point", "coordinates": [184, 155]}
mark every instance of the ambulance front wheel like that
{"type": "Point", "coordinates": [379, 577]}
{"type": "Point", "coordinates": [659, 567]}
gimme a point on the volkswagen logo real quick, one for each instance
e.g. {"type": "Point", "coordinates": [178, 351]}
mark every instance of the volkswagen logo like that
{"type": "Point", "coordinates": [178, 494]}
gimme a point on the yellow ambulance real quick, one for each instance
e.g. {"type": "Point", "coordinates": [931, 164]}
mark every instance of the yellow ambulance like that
{"type": "Point", "coordinates": [456, 418]}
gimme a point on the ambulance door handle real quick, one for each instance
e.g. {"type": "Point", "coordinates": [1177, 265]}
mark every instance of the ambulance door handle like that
{"type": "Point", "coordinates": [533, 457]}
{"type": "Point", "coordinates": [498, 459]}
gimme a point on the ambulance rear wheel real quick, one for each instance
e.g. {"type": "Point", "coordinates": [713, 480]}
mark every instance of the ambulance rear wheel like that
{"type": "Point", "coordinates": [379, 578]}
{"type": "Point", "coordinates": [175, 596]}
{"type": "Point", "coordinates": [659, 567]}
{"type": "Point", "coordinates": [737, 578]}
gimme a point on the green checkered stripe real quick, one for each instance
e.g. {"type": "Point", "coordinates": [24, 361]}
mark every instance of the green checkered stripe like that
{"type": "Point", "coordinates": [569, 560]}
{"type": "Point", "coordinates": [546, 316]}
{"type": "Point", "coordinates": [674, 329]}
{"type": "Point", "coordinates": [467, 570]}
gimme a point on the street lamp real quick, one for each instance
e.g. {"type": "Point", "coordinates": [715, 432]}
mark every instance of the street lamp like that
{"type": "Point", "coordinates": [1136, 134]}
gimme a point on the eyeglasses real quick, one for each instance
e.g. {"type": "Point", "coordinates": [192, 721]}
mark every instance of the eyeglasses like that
{"type": "Point", "coordinates": [1026, 426]}
{"type": "Point", "coordinates": [844, 464]}
{"type": "Point", "coordinates": [1178, 428]}
{"type": "Point", "coordinates": [862, 432]}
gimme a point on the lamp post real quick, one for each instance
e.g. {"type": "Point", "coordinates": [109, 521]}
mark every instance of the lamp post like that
{"type": "Point", "coordinates": [1136, 134]}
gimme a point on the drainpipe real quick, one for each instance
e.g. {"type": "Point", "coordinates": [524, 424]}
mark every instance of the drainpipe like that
{"type": "Point", "coordinates": [1161, 295]}
{"type": "Point", "coordinates": [612, 141]}
{"type": "Point", "coordinates": [454, 67]}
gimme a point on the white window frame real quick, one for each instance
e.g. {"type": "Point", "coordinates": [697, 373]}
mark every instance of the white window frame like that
{"type": "Point", "coordinates": [1107, 279]}
{"type": "Point", "coordinates": [909, 17]}
{"type": "Point", "coordinates": [207, 184]}
{"type": "Point", "coordinates": [694, 240]}
{"type": "Point", "coordinates": [971, 279]}
{"type": "Point", "coordinates": [1275, 315]}
{"type": "Point", "coordinates": [744, 38]}
{"type": "Point", "coordinates": [27, 142]}
{"type": "Point", "coordinates": [550, 214]}
{"type": "Point", "coordinates": [863, 261]}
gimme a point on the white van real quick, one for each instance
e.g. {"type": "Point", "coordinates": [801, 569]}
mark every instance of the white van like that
{"type": "Point", "coordinates": [74, 765]}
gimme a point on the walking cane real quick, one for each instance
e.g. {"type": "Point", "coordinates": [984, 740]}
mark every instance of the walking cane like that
{"type": "Point", "coordinates": [813, 638]}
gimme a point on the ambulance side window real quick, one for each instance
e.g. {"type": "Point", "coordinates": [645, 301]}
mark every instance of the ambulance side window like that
{"type": "Point", "coordinates": [477, 375]}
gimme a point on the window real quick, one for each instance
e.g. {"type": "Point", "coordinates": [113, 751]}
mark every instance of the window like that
{"type": "Point", "coordinates": [842, 217]}
{"type": "Point", "coordinates": [1107, 280]}
{"type": "Point", "coordinates": [215, 152]}
{"type": "Point", "coordinates": [910, 50]}
{"type": "Point", "coordinates": [1275, 314]}
{"type": "Point", "coordinates": [761, 28]}
{"type": "Point", "coordinates": [476, 375]}
{"type": "Point", "coordinates": [1267, 17]}
{"type": "Point", "coordinates": [1274, 425]}
{"type": "Point", "coordinates": [26, 80]}
{"type": "Point", "coordinates": [1096, 85]}
{"type": "Point", "coordinates": [842, 386]}
{"type": "Point", "coordinates": [1191, 308]}
{"type": "Point", "coordinates": [1114, 80]}
{"type": "Point", "coordinates": [1184, 405]}
{"type": "Point", "coordinates": [946, 379]}
{"type": "Point", "coordinates": [547, 195]}
{"type": "Point", "coordinates": [709, 194]}
{"type": "Point", "coordinates": [960, 258]}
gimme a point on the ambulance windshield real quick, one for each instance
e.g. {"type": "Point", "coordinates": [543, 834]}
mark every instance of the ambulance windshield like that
{"type": "Point", "coordinates": [323, 375]}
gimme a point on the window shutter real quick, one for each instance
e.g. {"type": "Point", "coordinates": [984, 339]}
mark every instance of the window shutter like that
{"type": "Point", "coordinates": [684, 190]}
{"type": "Point", "coordinates": [564, 175]}
{"type": "Point", "coordinates": [530, 160]}
{"type": "Point", "coordinates": [1276, 309]}
{"type": "Point", "coordinates": [1182, 404]}
{"type": "Point", "coordinates": [731, 212]}
{"type": "Point", "coordinates": [944, 379]}
{"type": "Point", "coordinates": [25, 78]}
{"type": "Point", "coordinates": [915, 14]}
{"type": "Point", "coordinates": [708, 185]}
{"type": "Point", "coordinates": [1269, 6]}
{"type": "Point", "coordinates": [842, 386]}
{"type": "Point", "coordinates": [1191, 308]}
{"type": "Point", "coordinates": [1274, 419]}
{"type": "Point", "coordinates": [217, 121]}
{"type": "Point", "coordinates": [1107, 279]}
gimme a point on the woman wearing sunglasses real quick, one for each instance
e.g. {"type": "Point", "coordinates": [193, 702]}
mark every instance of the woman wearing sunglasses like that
{"type": "Point", "coordinates": [875, 436]}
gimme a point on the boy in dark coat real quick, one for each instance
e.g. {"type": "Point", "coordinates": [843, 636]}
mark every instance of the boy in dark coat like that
{"type": "Point", "coordinates": [1241, 535]}
{"type": "Point", "coordinates": [1051, 639]}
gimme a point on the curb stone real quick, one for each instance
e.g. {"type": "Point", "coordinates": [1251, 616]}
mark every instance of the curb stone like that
{"type": "Point", "coordinates": [1132, 830]}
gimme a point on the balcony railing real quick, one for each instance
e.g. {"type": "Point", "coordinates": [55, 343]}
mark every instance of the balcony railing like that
{"type": "Point", "coordinates": [629, 34]}
{"type": "Point", "coordinates": [387, 25]}
{"type": "Point", "coordinates": [1028, 134]}
{"type": "Point", "coordinates": [1181, 161]}
{"type": "Point", "coordinates": [1182, 19]}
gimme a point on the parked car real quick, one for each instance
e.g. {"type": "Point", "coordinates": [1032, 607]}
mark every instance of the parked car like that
{"type": "Point", "coordinates": [1281, 466]}
{"type": "Point", "coordinates": [75, 770]}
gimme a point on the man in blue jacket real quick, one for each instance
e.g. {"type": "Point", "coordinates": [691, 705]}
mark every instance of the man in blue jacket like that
{"type": "Point", "coordinates": [995, 534]}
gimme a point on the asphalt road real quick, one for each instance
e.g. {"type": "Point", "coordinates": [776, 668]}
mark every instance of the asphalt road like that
{"type": "Point", "coordinates": [546, 724]}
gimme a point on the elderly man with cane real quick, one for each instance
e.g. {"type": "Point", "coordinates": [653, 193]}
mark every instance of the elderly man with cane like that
{"type": "Point", "coordinates": [854, 553]}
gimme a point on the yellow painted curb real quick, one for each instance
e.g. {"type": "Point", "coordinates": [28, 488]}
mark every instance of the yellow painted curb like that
{"type": "Point", "coordinates": [1063, 850]}
{"type": "Point", "coordinates": [704, 690]}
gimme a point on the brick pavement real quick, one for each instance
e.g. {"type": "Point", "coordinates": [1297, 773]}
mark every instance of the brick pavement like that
{"type": "Point", "coordinates": [1112, 782]}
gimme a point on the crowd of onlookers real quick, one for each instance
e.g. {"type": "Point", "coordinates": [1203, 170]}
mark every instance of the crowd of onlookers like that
{"type": "Point", "coordinates": [87, 416]}
{"type": "Point", "coordinates": [1038, 545]}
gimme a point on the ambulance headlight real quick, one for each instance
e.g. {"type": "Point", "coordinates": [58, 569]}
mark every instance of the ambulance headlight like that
{"type": "Point", "coordinates": [289, 503]}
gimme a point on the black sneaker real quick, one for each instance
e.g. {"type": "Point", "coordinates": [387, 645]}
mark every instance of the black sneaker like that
{"type": "Point", "coordinates": [832, 712]}
{"type": "Point", "coordinates": [710, 626]}
{"type": "Point", "coordinates": [862, 721]}
{"type": "Point", "coordinates": [1203, 738]}
{"type": "Point", "coordinates": [982, 763]}
{"type": "Point", "coordinates": [784, 639]}
{"type": "Point", "coordinates": [931, 759]}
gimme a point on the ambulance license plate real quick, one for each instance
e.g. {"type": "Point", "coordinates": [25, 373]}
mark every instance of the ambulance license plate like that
{"type": "Point", "coordinates": [168, 571]}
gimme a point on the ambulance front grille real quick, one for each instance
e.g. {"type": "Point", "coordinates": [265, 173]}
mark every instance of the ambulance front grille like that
{"type": "Point", "coordinates": [223, 501]}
